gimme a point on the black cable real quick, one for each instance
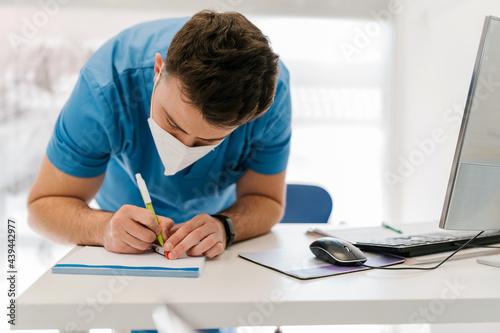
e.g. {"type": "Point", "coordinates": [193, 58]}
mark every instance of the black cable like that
{"type": "Point", "coordinates": [428, 268]}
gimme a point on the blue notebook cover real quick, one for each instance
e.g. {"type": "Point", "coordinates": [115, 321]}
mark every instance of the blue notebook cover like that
{"type": "Point", "coordinates": [96, 260]}
{"type": "Point", "coordinates": [302, 264]}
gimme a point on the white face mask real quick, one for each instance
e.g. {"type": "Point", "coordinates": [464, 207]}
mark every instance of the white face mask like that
{"type": "Point", "coordinates": [174, 155]}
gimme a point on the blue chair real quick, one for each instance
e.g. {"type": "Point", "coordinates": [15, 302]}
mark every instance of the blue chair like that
{"type": "Point", "coordinates": [307, 204]}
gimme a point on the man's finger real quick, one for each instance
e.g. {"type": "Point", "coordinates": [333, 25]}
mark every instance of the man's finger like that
{"type": "Point", "coordinates": [138, 231]}
{"type": "Point", "coordinates": [176, 227]}
{"type": "Point", "coordinates": [190, 240]}
{"type": "Point", "coordinates": [181, 233]}
{"type": "Point", "coordinates": [126, 243]}
{"type": "Point", "coordinates": [203, 246]}
{"type": "Point", "coordinates": [136, 245]}
{"type": "Point", "coordinates": [166, 225]}
{"type": "Point", "coordinates": [215, 250]}
{"type": "Point", "coordinates": [143, 216]}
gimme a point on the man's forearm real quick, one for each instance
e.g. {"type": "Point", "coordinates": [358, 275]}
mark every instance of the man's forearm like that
{"type": "Point", "coordinates": [67, 220]}
{"type": "Point", "coordinates": [253, 215]}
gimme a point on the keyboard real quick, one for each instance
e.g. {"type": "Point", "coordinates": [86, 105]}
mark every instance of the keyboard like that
{"type": "Point", "coordinates": [428, 243]}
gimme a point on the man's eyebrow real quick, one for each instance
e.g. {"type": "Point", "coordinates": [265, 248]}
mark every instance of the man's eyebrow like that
{"type": "Point", "coordinates": [216, 139]}
{"type": "Point", "coordinates": [171, 120]}
{"type": "Point", "coordinates": [175, 124]}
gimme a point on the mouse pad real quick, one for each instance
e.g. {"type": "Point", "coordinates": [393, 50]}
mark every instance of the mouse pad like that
{"type": "Point", "coordinates": [302, 264]}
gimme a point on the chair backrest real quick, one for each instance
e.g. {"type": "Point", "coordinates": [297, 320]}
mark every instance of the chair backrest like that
{"type": "Point", "coordinates": [307, 204]}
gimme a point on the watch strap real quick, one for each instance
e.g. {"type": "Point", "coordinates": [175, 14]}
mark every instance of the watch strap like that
{"type": "Point", "coordinates": [228, 227]}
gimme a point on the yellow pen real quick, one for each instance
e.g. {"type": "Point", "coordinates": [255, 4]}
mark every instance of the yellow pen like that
{"type": "Point", "coordinates": [147, 201]}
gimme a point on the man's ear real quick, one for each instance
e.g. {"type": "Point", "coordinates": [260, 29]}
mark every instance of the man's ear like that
{"type": "Point", "coordinates": [158, 63]}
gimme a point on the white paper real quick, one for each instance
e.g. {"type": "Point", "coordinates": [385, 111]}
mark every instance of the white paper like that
{"type": "Point", "coordinates": [99, 256]}
{"type": "Point", "coordinates": [98, 260]}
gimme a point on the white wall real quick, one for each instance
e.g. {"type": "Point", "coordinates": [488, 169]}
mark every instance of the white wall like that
{"type": "Point", "coordinates": [37, 75]}
{"type": "Point", "coordinates": [435, 44]}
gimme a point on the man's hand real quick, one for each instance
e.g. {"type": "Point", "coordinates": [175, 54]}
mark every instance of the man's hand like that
{"type": "Point", "coordinates": [202, 235]}
{"type": "Point", "coordinates": [132, 230]}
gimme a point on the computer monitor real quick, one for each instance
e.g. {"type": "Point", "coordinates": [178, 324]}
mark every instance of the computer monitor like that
{"type": "Point", "coordinates": [473, 197]}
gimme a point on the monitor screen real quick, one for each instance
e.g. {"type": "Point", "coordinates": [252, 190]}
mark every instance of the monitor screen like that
{"type": "Point", "coordinates": [473, 197]}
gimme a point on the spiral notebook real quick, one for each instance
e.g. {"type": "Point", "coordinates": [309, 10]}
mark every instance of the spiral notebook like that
{"type": "Point", "coordinates": [96, 260]}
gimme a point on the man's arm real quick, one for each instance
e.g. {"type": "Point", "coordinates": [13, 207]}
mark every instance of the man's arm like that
{"type": "Point", "coordinates": [259, 205]}
{"type": "Point", "coordinates": [58, 209]}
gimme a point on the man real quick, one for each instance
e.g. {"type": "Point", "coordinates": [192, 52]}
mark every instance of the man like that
{"type": "Point", "coordinates": [208, 128]}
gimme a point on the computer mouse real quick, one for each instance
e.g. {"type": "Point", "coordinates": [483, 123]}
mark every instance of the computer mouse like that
{"type": "Point", "coordinates": [337, 251]}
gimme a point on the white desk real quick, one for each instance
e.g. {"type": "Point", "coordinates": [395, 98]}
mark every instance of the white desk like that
{"type": "Point", "coordinates": [234, 292]}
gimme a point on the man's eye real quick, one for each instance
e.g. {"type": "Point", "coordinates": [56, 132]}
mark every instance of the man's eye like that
{"type": "Point", "coordinates": [170, 123]}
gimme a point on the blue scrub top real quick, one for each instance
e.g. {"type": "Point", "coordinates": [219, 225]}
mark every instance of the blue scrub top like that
{"type": "Point", "coordinates": [103, 128]}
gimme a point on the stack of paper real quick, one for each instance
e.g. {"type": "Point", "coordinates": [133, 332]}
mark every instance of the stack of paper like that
{"type": "Point", "coordinates": [96, 260]}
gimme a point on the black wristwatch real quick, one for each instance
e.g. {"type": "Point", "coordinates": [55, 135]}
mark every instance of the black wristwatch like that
{"type": "Point", "coordinates": [228, 226]}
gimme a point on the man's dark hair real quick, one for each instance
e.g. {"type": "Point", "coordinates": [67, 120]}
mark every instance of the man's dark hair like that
{"type": "Point", "coordinates": [226, 67]}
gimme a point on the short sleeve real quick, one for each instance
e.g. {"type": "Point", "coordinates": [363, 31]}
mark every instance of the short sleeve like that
{"type": "Point", "coordinates": [271, 146]}
{"type": "Point", "coordinates": [80, 144]}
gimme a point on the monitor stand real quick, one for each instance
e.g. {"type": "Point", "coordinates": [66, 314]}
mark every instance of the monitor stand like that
{"type": "Point", "coordinates": [490, 262]}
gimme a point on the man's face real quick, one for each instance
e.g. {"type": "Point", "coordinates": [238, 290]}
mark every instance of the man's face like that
{"type": "Point", "coordinates": [181, 119]}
